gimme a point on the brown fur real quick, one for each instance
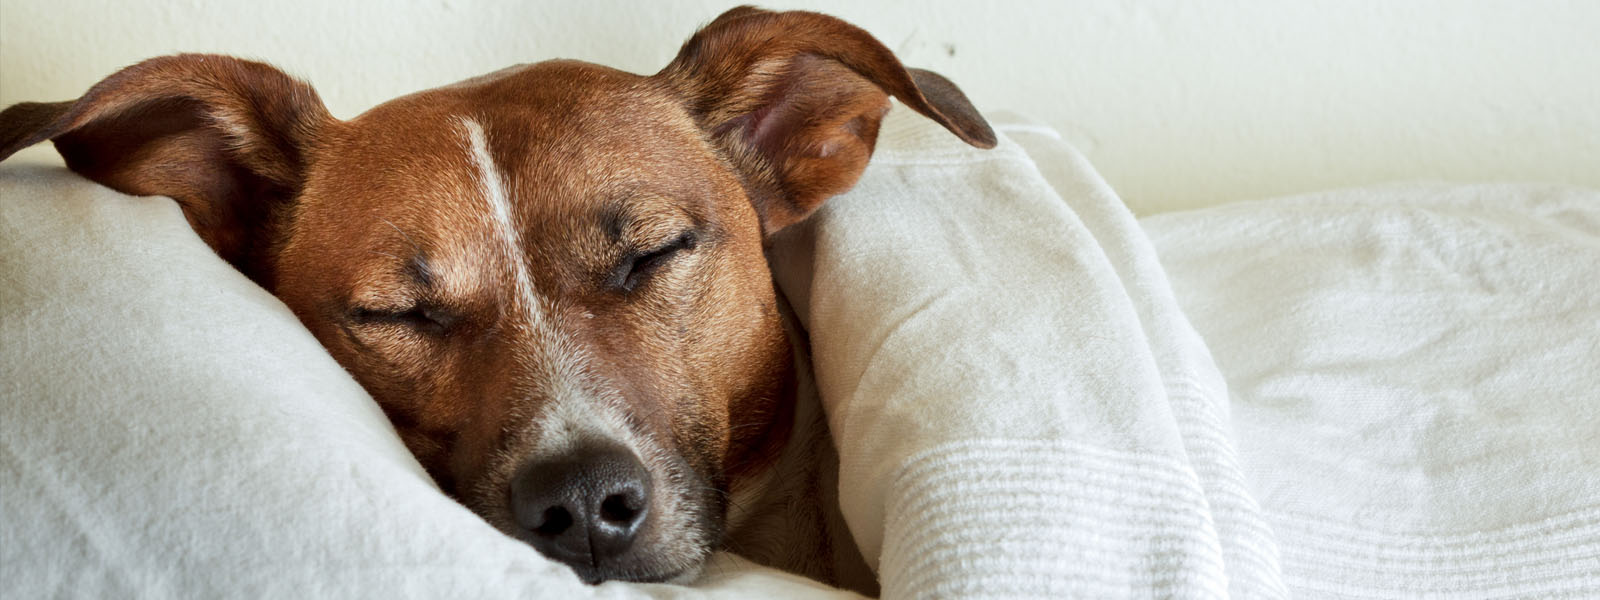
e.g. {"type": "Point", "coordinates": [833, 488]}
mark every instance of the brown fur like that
{"type": "Point", "coordinates": [372, 231]}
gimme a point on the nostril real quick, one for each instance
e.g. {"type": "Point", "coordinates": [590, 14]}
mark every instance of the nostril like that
{"type": "Point", "coordinates": [584, 507]}
{"type": "Point", "coordinates": [555, 521]}
{"type": "Point", "coordinates": [618, 509]}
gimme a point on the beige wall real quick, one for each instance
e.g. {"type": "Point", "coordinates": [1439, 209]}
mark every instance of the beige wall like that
{"type": "Point", "coordinates": [1179, 102]}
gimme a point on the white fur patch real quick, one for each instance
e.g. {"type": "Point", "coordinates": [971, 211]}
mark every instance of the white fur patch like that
{"type": "Point", "coordinates": [571, 412]}
{"type": "Point", "coordinates": [501, 220]}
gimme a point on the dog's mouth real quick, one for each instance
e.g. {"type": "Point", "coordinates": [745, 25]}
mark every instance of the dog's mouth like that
{"type": "Point", "coordinates": [608, 513]}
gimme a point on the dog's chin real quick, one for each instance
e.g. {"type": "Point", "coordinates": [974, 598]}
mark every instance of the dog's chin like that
{"type": "Point", "coordinates": [593, 576]}
{"type": "Point", "coordinates": [645, 567]}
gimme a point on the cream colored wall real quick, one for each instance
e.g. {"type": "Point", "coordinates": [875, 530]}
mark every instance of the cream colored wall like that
{"type": "Point", "coordinates": [1179, 102]}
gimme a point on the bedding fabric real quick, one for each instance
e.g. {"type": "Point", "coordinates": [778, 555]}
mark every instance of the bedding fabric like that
{"type": "Point", "coordinates": [1021, 409]}
{"type": "Point", "coordinates": [1022, 406]}
{"type": "Point", "coordinates": [1416, 381]}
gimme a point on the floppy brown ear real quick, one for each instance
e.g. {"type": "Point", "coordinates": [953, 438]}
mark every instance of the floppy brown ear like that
{"type": "Point", "coordinates": [228, 139]}
{"type": "Point", "coordinates": [796, 98]}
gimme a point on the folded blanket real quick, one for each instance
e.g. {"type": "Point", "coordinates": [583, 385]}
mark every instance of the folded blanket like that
{"type": "Point", "coordinates": [1416, 378]}
{"type": "Point", "coordinates": [1020, 407]}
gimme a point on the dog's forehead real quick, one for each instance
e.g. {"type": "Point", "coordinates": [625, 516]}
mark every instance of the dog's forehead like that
{"type": "Point", "coordinates": [565, 122]}
{"type": "Point", "coordinates": [568, 140]}
{"type": "Point", "coordinates": [563, 157]}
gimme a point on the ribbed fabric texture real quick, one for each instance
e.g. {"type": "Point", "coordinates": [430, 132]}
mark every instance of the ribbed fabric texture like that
{"type": "Point", "coordinates": [1556, 557]}
{"type": "Point", "coordinates": [1003, 512]}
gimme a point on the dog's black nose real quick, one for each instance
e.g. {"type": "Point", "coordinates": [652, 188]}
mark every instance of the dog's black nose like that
{"type": "Point", "coordinates": [583, 508]}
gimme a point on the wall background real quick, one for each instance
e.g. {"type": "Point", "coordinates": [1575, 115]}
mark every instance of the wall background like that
{"type": "Point", "coordinates": [1179, 103]}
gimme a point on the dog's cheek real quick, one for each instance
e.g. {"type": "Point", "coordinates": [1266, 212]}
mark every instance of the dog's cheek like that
{"type": "Point", "coordinates": [433, 452]}
{"type": "Point", "coordinates": [702, 437]}
{"type": "Point", "coordinates": [760, 389]}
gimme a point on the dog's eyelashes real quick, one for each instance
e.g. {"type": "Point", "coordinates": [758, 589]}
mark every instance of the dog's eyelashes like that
{"type": "Point", "coordinates": [421, 318]}
{"type": "Point", "coordinates": [638, 267]}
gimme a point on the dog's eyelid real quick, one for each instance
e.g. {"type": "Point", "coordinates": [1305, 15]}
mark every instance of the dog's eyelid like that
{"type": "Point", "coordinates": [642, 219]}
{"type": "Point", "coordinates": [423, 316]}
{"type": "Point", "coordinates": [683, 241]}
{"type": "Point", "coordinates": [639, 265]}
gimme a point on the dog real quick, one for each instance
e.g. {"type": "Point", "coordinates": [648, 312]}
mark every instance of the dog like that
{"type": "Point", "coordinates": [552, 278]}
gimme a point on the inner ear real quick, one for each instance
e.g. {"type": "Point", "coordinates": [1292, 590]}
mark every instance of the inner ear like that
{"type": "Point", "coordinates": [795, 100]}
{"type": "Point", "coordinates": [814, 134]}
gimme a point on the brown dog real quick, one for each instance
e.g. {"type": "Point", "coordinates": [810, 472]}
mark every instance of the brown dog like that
{"type": "Point", "coordinates": [552, 277]}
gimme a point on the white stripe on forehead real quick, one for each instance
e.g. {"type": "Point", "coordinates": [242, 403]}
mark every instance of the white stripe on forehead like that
{"type": "Point", "coordinates": [494, 192]}
{"type": "Point", "coordinates": [572, 412]}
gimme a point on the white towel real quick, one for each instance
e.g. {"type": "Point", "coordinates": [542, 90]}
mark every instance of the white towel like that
{"type": "Point", "coordinates": [1416, 372]}
{"type": "Point", "coordinates": [1021, 409]}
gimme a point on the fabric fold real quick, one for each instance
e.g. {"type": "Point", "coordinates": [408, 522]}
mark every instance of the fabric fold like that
{"type": "Point", "coordinates": [1020, 406]}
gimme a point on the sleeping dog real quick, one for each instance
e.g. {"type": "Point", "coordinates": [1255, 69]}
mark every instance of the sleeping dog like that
{"type": "Point", "coordinates": [552, 278]}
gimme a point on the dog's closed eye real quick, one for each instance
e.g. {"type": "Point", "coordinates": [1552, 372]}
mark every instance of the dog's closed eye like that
{"type": "Point", "coordinates": [421, 317]}
{"type": "Point", "coordinates": [636, 267]}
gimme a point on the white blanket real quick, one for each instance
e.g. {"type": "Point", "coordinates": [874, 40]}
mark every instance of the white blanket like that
{"type": "Point", "coordinates": [1416, 379]}
{"type": "Point", "coordinates": [1022, 408]}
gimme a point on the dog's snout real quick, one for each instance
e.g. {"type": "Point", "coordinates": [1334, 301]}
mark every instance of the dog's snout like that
{"type": "Point", "coordinates": [583, 508]}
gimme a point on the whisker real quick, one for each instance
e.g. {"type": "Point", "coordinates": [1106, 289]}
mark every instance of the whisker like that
{"type": "Point", "coordinates": [403, 234]}
{"type": "Point", "coordinates": [747, 426]}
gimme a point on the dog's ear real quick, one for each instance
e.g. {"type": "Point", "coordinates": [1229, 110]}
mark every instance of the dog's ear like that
{"type": "Point", "coordinates": [796, 98]}
{"type": "Point", "coordinates": [229, 139]}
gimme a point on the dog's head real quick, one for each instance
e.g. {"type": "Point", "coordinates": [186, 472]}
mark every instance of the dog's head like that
{"type": "Point", "coordinates": [552, 277]}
